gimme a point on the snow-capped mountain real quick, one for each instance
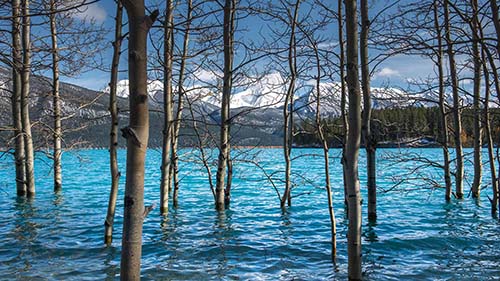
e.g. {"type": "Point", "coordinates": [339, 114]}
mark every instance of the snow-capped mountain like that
{"type": "Point", "coordinates": [269, 92]}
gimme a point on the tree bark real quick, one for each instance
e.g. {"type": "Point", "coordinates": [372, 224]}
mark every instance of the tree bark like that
{"type": "Point", "coordinates": [489, 137]}
{"type": "Point", "coordinates": [180, 104]}
{"type": "Point", "coordinates": [56, 106]}
{"type": "Point", "coordinates": [478, 165]}
{"type": "Point", "coordinates": [288, 109]}
{"type": "Point", "coordinates": [442, 106]}
{"type": "Point", "coordinates": [113, 135]}
{"type": "Point", "coordinates": [16, 99]}
{"type": "Point", "coordinates": [137, 134]}
{"type": "Point", "coordinates": [25, 97]}
{"type": "Point", "coordinates": [369, 139]}
{"type": "Point", "coordinates": [165, 184]}
{"type": "Point", "coordinates": [345, 125]}
{"type": "Point", "coordinates": [353, 143]}
{"type": "Point", "coordinates": [496, 21]}
{"type": "Point", "coordinates": [457, 125]}
{"type": "Point", "coordinates": [224, 150]}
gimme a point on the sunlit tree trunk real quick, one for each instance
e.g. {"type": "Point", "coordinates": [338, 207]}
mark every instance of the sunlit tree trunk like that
{"type": "Point", "coordinates": [167, 107]}
{"type": "Point", "coordinates": [229, 10]}
{"type": "Point", "coordinates": [25, 97]}
{"type": "Point", "coordinates": [345, 128]}
{"type": "Point", "coordinates": [180, 105]}
{"type": "Point", "coordinates": [442, 106]}
{"type": "Point", "coordinates": [369, 139]}
{"type": "Point", "coordinates": [56, 105]}
{"type": "Point", "coordinates": [457, 125]}
{"type": "Point", "coordinates": [137, 134]}
{"type": "Point", "coordinates": [478, 165]}
{"type": "Point", "coordinates": [113, 135]}
{"type": "Point", "coordinates": [353, 143]}
{"type": "Point", "coordinates": [19, 152]}
{"type": "Point", "coordinates": [288, 109]}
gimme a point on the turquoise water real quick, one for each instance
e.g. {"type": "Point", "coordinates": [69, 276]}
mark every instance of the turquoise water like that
{"type": "Point", "coordinates": [417, 235]}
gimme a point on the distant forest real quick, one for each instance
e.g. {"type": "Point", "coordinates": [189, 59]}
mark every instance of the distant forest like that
{"type": "Point", "coordinates": [396, 126]}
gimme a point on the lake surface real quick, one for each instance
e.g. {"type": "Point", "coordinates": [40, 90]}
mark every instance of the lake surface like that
{"type": "Point", "coordinates": [417, 235]}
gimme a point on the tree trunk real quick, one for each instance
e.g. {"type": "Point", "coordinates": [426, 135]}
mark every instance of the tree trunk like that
{"type": "Point", "coordinates": [288, 109]}
{"type": "Point", "coordinates": [25, 110]}
{"type": "Point", "coordinates": [442, 106]}
{"type": "Point", "coordinates": [113, 135]}
{"type": "Point", "coordinates": [167, 107]}
{"type": "Point", "coordinates": [496, 21]}
{"type": "Point", "coordinates": [478, 165]}
{"type": "Point", "coordinates": [321, 135]}
{"type": "Point", "coordinates": [180, 104]}
{"type": "Point", "coordinates": [19, 152]}
{"type": "Point", "coordinates": [224, 150]}
{"type": "Point", "coordinates": [489, 137]}
{"type": "Point", "coordinates": [353, 143]}
{"type": "Point", "coordinates": [457, 125]}
{"type": "Point", "coordinates": [56, 106]}
{"type": "Point", "coordinates": [345, 128]}
{"type": "Point", "coordinates": [137, 134]}
{"type": "Point", "coordinates": [369, 139]}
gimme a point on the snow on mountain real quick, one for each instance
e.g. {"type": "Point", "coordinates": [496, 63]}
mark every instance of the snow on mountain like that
{"type": "Point", "coordinates": [269, 92]}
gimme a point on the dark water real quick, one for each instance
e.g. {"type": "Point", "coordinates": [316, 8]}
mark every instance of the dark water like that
{"type": "Point", "coordinates": [417, 235]}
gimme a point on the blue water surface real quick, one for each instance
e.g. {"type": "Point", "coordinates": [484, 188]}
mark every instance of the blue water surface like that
{"type": "Point", "coordinates": [417, 235]}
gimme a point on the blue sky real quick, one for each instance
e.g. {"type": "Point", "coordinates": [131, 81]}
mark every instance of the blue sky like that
{"type": "Point", "coordinates": [395, 71]}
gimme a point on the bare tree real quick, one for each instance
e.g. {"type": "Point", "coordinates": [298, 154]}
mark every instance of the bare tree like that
{"type": "Point", "coordinates": [168, 45]}
{"type": "Point", "coordinates": [369, 139]}
{"type": "Point", "coordinates": [180, 103]}
{"type": "Point", "coordinates": [137, 134]}
{"type": "Point", "coordinates": [476, 57]}
{"type": "Point", "coordinates": [288, 108]}
{"type": "Point", "coordinates": [442, 106]}
{"type": "Point", "coordinates": [457, 119]}
{"type": "Point", "coordinates": [353, 143]}
{"type": "Point", "coordinates": [25, 97]}
{"type": "Point", "coordinates": [17, 57]}
{"type": "Point", "coordinates": [113, 135]}
{"type": "Point", "coordinates": [229, 22]}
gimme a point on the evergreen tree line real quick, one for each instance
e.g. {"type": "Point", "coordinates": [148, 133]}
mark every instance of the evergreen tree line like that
{"type": "Point", "coordinates": [396, 127]}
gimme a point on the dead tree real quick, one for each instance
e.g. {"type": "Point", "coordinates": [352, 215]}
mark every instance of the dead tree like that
{"type": "Point", "coordinates": [113, 135]}
{"type": "Point", "coordinates": [457, 119]}
{"type": "Point", "coordinates": [353, 144]}
{"type": "Point", "coordinates": [25, 97]}
{"type": "Point", "coordinates": [17, 57]}
{"type": "Point", "coordinates": [168, 45]}
{"type": "Point", "coordinates": [442, 105]}
{"type": "Point", "coordinates": [228, 34]}
{"type": "Point", "coordinates": [369, 139]}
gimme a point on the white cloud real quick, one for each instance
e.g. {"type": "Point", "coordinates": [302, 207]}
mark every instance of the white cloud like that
{"type": "Point", "coordinates": [91, 12]}
{"type": "Point", "coordinates": [387, 72]}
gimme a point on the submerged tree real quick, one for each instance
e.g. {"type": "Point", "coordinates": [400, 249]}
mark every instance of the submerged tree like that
{"type": "Point", "coordinates": [174, 173]}
{"type": "Point", "coordinates": [369, 139]}
{"type": "Point", "coordinates": [168, 48]}
{"type": "Point", "coordinates": [19, 151]}
{"type": "Point", "coordinates": [113, 135]}
{"type": "Point", "coordinates": [353, 144]}
{"type": "Point", "coordinates": [221, 193]}
{"type": "Point", "coordinates": [457, 118]}
{"type": "Point", "coordinates": [137, 134]}
{"type": "Point", "coordinates": [25, 98]}
{"type": "Point", "coordinates": [443, 120]}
